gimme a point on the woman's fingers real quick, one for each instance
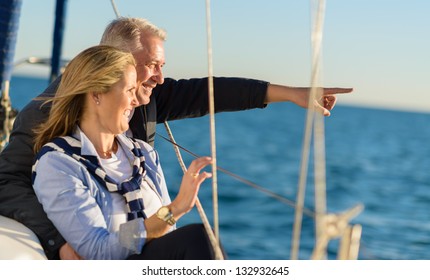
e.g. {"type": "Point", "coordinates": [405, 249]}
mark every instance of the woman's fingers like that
{"type": "Point", "coordinates": [197, 165]}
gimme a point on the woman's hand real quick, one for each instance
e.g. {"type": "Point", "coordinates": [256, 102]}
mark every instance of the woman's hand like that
{"type": "Point", "coordinates": [191, 181]}
{"type": "Point", "coordinates": [184, 201]}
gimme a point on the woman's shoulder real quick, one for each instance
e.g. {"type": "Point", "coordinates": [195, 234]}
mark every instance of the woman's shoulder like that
{"type": "Point", "coordinates": [56, 160]}
{"type": "Point", "coordinates": [144, 145]}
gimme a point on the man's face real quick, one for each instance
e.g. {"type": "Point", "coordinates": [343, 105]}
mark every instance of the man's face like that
{"type": "Point", "coordinates": [150, 61]}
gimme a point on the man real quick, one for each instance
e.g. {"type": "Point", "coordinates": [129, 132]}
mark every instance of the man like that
{"type": "Point", "coordinates": [161, 100]}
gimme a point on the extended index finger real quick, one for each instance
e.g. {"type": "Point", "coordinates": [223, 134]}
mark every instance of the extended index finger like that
{"type": "Point", "coordinates": [329, 91]}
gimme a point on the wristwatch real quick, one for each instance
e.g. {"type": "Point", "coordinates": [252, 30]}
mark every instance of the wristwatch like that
{"type": "Point", "coordinates": [166, 215]}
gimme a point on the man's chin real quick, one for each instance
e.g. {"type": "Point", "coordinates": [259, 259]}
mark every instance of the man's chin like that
{"type": "Point", "coordinates": [144, 99]}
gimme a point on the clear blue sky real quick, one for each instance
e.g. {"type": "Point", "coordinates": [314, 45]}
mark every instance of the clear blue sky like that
{"type": "Point", "coordinates": [379, 47]}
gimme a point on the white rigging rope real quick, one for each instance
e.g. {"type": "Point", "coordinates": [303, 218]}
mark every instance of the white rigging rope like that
{"type": "Point", "coordinates": [212, 238]}
{"type": "Point", "coordinates": [212, 121]}
{"type": "Point", "coordinates": [115, 9]}
{"type": "Point", "coordinates": [311, 116]}
{"type": "Point", "coordinates": [319, 135]}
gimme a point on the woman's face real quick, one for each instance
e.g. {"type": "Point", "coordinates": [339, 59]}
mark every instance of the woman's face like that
{"type": "Point", "coordinates": [117, 104]}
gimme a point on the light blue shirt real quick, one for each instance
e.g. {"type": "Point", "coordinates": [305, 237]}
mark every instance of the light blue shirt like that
{"type": "Point", "coordinates": [83, 210]}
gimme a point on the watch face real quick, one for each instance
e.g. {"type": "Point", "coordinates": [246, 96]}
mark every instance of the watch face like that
{"type": "Point", "coordinates": [164, 211]}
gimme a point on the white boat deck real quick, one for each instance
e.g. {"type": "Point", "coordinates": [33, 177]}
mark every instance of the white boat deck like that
{"type": "Point", "coordinates": [17, 242]}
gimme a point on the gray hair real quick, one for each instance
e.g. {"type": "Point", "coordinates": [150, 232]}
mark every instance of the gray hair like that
{"type": "Point", "coordinates": [125, 33]}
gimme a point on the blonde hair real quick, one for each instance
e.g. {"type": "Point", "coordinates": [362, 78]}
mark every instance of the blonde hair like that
{"type": "Point", "coordinates": [95, 69]}
{"type": "Point", "coordinates": [125, 33]}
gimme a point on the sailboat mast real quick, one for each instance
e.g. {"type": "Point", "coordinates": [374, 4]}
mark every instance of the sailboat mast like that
{"type": "Point", "coordinates": [60, 19]}
{"type": "Point", "coordinates": [9, 21]}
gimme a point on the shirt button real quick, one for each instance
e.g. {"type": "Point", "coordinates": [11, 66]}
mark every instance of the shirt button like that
{"type": "Point", "coordinates": [51, 242]}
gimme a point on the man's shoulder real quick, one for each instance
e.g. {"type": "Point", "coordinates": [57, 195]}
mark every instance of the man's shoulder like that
{"type": "Point", "coordinates": [36, 110]}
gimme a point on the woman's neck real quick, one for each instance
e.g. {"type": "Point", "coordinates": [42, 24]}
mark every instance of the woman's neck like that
{"type": "Point", "coordinates": [104, 143]}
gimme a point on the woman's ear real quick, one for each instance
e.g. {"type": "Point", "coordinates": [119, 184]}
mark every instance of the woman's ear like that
{"type": "Point", "coordinates": [95, 97]}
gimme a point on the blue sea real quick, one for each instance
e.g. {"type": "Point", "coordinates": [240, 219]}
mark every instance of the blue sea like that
{"type": "Point", "coordinates": [375, 157]}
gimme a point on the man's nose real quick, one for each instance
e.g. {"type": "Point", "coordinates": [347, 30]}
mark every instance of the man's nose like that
{"type": "Point", "coordinates": [158, 75]}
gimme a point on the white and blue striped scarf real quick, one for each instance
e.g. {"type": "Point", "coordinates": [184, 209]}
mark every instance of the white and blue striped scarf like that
{"type": "Point", "coordinates": [130, 188]}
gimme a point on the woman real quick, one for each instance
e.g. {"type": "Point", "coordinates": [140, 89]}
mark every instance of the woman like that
{"type": "Point", "coordinates": [105, 192]}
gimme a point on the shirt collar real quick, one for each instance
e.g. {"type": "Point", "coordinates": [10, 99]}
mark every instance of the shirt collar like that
{"type": "Point", "coordinates": [87, 147]}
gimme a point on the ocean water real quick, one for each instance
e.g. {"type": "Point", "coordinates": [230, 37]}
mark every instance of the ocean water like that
{"type": "Point", "coordinates": [374, 157]}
